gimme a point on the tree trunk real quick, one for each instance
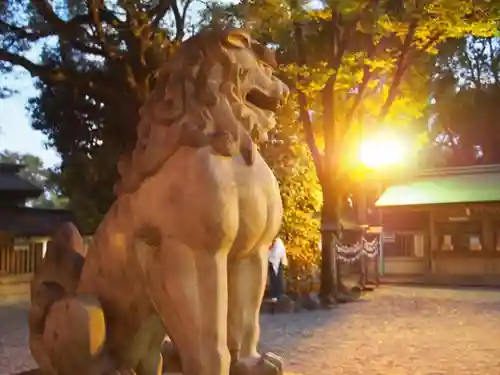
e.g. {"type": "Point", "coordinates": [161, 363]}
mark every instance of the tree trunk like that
{"type": "Point", "coordinates": [330, 231]}
{"type": "Point", "coordinates": [362, 219]}
{"type": "Point", "coordinates": [332, 289]}
{"type": "Point", "coordinates": [330, 218]}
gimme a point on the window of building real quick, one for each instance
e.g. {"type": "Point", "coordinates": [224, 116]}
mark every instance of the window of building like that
{"type": "Point", "coordinates": [461, 236]}
{"type": "Point", "coordinates": [497, 237]}
{"type": "Point", "coordinates": [404, 245]}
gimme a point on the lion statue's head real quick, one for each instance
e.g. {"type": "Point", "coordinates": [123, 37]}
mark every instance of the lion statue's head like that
{"type": "Point", "coordinates": [217, 90]}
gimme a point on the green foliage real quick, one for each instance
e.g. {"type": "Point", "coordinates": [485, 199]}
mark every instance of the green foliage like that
{"type": "Point", "coordinates": [467, 126]}
{"type": "Point", "coordinates": [362, 65]}
{"type": "Point", "coordinates": [90, 131]}
{"type": "Point", "coordinates": [466, 95]}
{"type": "Point", "coordinates": [291, 162]}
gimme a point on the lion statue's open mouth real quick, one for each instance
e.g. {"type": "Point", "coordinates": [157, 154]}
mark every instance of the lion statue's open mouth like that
{"type": "Point", "coordinates": [259, 89]}
{"type": "Point", "coordinates": [265, 108]}
{"type": "Point", "coordinates": [263, 102]}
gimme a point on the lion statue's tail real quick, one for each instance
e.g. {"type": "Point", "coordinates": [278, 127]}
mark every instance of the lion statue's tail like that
{"type": "Point", "coordinates": [58, 274]}
{"type": "Point", "coordinates": [67, 332]}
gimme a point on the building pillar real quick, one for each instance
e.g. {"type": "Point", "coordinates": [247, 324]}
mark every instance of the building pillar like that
{"type": "Point", "coordinates": [433, 241]}
{"type": "Point", "coordinates": [381, 264]}
{"type": "Point", "coordinates": [488, 243]}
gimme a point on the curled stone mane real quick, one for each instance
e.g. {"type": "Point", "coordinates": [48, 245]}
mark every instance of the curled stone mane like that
{"type": "Point", "coordinates": [178, 113]}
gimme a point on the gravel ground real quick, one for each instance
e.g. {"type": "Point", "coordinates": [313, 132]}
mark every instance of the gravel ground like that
{"type": "Point", "coordinates": [14, 352]}
{"type": "Point", "coordinates": [392, 331]}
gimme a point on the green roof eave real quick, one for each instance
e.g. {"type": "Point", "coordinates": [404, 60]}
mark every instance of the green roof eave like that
{"type": "Point", "coordinates": [445, 189]}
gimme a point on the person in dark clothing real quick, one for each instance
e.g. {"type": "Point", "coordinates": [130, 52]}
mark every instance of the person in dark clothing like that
{"type": "Point", "coordinates": [277, 264]}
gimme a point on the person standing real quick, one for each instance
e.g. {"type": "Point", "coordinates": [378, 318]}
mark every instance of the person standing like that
{"type": "Point", "coordinates": [277, 263]}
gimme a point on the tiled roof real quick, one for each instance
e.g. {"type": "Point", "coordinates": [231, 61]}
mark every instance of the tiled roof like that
{"type": "Point", "coordinates": [27, 221]}
{"type": "Point", "coordinates": [11, 181]}
{"type": "Point", "coordinates": [465, 187]}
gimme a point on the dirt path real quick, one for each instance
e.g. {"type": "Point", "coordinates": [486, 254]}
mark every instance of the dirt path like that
{"type": "Point", "coordinates": [393, 331]}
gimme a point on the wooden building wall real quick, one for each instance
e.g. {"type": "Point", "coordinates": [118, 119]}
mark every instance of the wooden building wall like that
{"type": "Point", "coordinates": [421, 238]}
{"type": "Point", "coordinates": [405, 242]}
{"type": "Point", "coordinates": [14, 262]}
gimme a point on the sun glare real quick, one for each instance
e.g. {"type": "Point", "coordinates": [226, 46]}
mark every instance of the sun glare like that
{"type": "Point", "coordinates": [382, 152]}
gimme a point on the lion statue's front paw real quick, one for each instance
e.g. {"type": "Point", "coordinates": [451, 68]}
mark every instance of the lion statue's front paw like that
{"type": "Point", "coordinates": [267, 364]}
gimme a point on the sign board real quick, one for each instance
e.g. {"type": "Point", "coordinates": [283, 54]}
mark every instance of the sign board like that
{"type": "Point", "coordinates": [374, 230]}
{"type": "Point", "coordinates": [389, 237]}
{"type": "Point", "coordinates": [458, 218]}
{"type": "Point", "coordinates": [21, 244]}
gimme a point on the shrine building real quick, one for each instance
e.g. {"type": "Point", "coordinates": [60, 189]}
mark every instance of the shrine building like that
{"type": "Point", "coordinates": [443, 226]}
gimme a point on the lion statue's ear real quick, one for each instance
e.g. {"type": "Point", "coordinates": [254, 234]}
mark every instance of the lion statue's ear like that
{"type": "Point", "coordinates": [237, 38]}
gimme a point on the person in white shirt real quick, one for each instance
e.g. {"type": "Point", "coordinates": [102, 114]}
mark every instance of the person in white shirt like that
{"type": "Point", "coordinates": [277, 262]}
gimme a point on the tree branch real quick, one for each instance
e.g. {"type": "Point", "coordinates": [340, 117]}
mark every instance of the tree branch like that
{"type": "Point", "coordinates": [338, 44]}
{"type": "Point", "coordinates": [48, 14]}
{"type": "Point", "coordinates": [93, 8]}
{"type": "Point", "coordinates": [305, 118]}
{"type": "Point", "coordinates": [331, 130]}
{"type": "Point", "coordinates": [183, 17]}
{"type": "Point", "coordinates": [93, 83]}
{"type": "Point", "coordinates": [25, 33]}
{"type": "Point", "coordinates": [404, 62]}
{"type": "Point", "coordinates": [179, 21]}
{"type": "Point", "coordinates": [157, 13]}
{"type": "Point", "coordinates": [72, 30]}
{"type": "Point", "coordinates": [44, 73]}
{"type": "Point", "coordinates": [367, 73]}
{"type": "Point", "coordinates": [367, 76]}
{"type": "Point", "coordinates": [493, 59]}
{"type": "Point", "coordinates": [401, 67]}
{"type": "Point", "coordinates": [303, 105]}
{"type": "Point", "coordinates": [437, 38]}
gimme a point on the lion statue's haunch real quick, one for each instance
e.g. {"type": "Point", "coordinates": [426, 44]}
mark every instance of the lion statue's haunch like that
{"type": "Point", "coordinates": [183, 251]}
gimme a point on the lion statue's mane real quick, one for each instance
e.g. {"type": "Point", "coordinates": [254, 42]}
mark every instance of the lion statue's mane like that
{"type": "Point", "coordinates": [179, 109]}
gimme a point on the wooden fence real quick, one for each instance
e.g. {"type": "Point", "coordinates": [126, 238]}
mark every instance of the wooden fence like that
{"type": "Point", "coordinates": [20, 262]}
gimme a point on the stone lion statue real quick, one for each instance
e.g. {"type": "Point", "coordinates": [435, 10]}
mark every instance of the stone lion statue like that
{"type": "Point", "coordinates": [183, 250]}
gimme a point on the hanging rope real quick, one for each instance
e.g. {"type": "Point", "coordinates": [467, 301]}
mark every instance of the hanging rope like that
{"type": "Point", "coordinates": [371, 249]}
{"type": "Point", "coordinates": [350, 254]}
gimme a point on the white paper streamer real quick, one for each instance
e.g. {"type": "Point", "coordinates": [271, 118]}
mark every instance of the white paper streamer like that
{"type": "Point", "coordinates": [350, 254]}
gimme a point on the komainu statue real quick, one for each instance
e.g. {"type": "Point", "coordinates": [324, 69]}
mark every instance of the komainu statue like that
{"type": "Point", "coordinates": [182, 253]}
